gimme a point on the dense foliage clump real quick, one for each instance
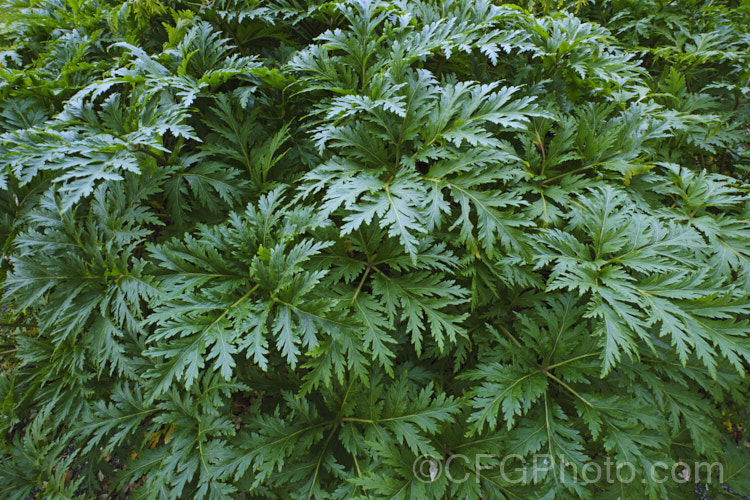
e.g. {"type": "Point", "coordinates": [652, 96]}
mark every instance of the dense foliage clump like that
{"type": "Point", "coordinates": [287, 249]}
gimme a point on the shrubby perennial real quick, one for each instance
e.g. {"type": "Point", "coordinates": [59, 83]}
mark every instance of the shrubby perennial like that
{"type": "Point", "coordinates": [284, 249]}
